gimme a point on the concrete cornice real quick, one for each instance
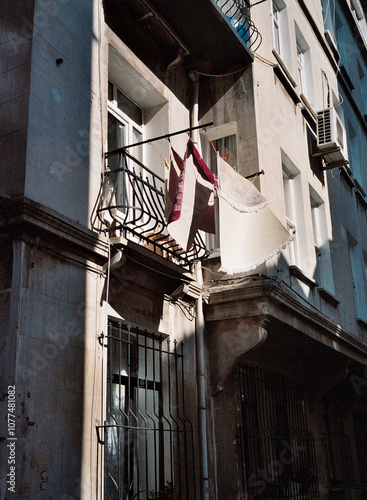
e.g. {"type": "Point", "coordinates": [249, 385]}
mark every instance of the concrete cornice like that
{"type": "Point", "coordinates": [261, 296]}
{"type": "Point", "coordinates": [22, 215]}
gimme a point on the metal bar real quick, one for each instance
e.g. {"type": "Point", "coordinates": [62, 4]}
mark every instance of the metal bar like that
{"type": "Point", "coordinates": [178, 418]}
{"type": "Point", "coordinates": [166, 136]}
{"type": "Point", "coordinates": [170, 408]}
{"type": "Point", "coordinates": [128, 402]}
{"type": "Point", "coordinates": [257, 3]}
{"type": "Point", "coordinates": [193, 497]}
{"type": "Point", "coordinates": [160, 423]}
{"type": "Point", "coordinates": [255, 174]}
{"type": "Point", "coordinates": [156, 445]}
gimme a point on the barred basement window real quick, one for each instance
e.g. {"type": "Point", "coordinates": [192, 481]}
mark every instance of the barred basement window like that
{"type": "Point", "coordinates": [277, 454]}
{"type": "Point", "coordinates": [149, 443]}
{"type": "Point", "coordinates": [339, 455]}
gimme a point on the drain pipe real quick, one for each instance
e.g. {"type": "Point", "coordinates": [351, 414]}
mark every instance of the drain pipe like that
{"type": "Point", "coordinates": [200, 357]}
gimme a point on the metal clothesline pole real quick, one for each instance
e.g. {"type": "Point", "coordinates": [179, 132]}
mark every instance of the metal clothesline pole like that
{"type": "Point", "coordinates": [166, 136]}
{"type": "Point", "coordinates": [255, 174]}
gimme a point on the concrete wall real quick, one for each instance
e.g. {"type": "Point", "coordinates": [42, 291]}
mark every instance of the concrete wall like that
{"type": "Point", "coordinates": [15, 69]}
{"type": "Point", "coordinates": [54, 360]}
{"type": "Point", "coordinates": [64, 148]}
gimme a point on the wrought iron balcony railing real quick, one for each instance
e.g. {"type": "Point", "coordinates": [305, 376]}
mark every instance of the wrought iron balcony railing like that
{"type": "Point", "coordinates": [237, 13]}
{"type": "Point", "coordinates": [133, 202]}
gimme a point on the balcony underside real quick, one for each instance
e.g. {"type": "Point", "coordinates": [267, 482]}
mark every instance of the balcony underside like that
{"type": "Point", "coordinates": [255, 317]}
{"type": "Point", "coordinates": [158, 29]}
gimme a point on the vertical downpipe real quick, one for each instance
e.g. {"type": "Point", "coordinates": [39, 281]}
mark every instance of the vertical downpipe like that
{"type": "Point", "coordinates": [200, 358]}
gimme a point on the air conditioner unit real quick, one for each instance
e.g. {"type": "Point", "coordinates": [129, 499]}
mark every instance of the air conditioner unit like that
{"type": "Point", "coordinates": [331, 140]}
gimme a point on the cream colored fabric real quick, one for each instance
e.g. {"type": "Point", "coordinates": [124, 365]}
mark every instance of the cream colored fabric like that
{"type": "Point", "coordinates": [238, 191]}
{"type": "Point", "coordinates": [248, 239]}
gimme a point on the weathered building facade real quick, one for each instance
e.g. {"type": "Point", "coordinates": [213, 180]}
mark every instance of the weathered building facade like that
{"type": "Point", "coordinates": [131, 367]}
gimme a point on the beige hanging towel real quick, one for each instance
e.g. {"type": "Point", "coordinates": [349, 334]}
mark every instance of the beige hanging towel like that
{"type": "Point", "coordinates": [250, 234]}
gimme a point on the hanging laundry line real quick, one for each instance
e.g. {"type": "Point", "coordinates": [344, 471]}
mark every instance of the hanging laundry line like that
{"type": "Point", "coordinates": [166, 136]}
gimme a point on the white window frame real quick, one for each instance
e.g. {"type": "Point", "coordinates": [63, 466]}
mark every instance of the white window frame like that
{"type": "Point", "coordinates": [301, 69]}
{"type": "Point", "coordinates": [324, 270]}
{"type": "Point", "coordinates": [291, 216]}
{"type": "Point", "coordinates": [128, 122]}
{"type": "Point", "coordinates": [276, 26]}
{"type": "Point", "coordinates": [304, 67]}
{"type": "Point", "coordinates": [216, 133]}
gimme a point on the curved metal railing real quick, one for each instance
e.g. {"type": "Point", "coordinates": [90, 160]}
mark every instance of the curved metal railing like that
{"type": "Point", "coordinates": [133, 202]}
{"type": "Point", "coordinates": [237, 13]}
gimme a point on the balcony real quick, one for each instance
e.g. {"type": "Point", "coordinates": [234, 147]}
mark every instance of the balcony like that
{"type": "Point", "coordinates": [132, 205]}
{"type": "Point", "coordinates": [157, 30]}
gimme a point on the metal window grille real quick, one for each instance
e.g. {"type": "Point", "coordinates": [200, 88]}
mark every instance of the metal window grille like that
{"type": "Point", "coordinates": [149, 442]}
{"type": "Point", "coordinates": [339, 459]}
{"type": "Point", "coordinates": [276, 454]}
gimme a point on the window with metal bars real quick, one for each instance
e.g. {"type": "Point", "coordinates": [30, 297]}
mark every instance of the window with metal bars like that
{"type": "Point", "coordinates": [339, 456]}
{"type": "Point", "coordinates": [277, 454]}
{"type": "Point", "coordinates": [149, 442]}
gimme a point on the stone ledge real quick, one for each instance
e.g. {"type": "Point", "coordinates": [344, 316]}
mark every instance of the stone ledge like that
{"type": "Point", "coordinates": [258, 295]}
{"type": "Point", "coordinates": [22, 214]}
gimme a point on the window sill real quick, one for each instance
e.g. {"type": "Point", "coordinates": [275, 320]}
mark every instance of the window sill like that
{"type": "Point", "coordinates": [286, 78]}
{"type": "Point", "coordinates": [361, 198]}
{"type": "Point", "coordinates": [329, 297]}
{"type": "Point", "coordinates": [308, 112]}
{"type": "Point", "coordinates": [362, 322]}
{"type": "Point", "coordinates": [281, 63]}
{"type": "Point", "coordinates": [360, 188]}
{"type": "Point", "coordinates": [299, 274]}
{"type": "Point", "coordinates": [347, 175]}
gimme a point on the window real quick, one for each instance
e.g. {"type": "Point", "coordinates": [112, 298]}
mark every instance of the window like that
{"type": "Point", "coordinates": [357, 273]}
{"type": "Point", "coordinates": [317, 239]}
{"type": "Point", "coordinates": [354, 155]}
{"type": "Point", "coordinates": [340, 39]}
{"type": "Point", "coordinates": [323, 271]}
{"type": "Point", "coordinates": [363, 88]}
{"type": "Point", "coordinates": [301, 69]}
{"type": "Point", "coordinates": [328, 12]}
{"type": "Point", "coordinates": [275, 17]}
{"type": "Point", "coordinates": [125, 122]}
{"type": "Point", "coordinates": [148, 437]}
{"type": "Point", "coordinates": [273, 436]}
{"type": "Point", "coordinates": [304, 67]}
{"type": "Point", "coordinates": [227, 148]}
{"type": "Point", "coordinates": [290, 211]}
{"type": "Point", "coordinates": [280, 31]}
{"type": "Point", "coordinates": [224, 140]}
